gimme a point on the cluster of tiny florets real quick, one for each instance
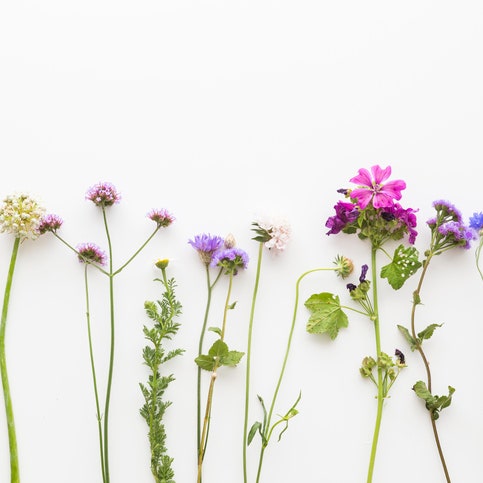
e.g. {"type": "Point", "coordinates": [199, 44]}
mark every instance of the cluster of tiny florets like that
{"type": "Point", "coordinates": [278, 233]}
{"type": "Point", "coordinates": [91, 253]}
{"type": "Point", "coordinates": [20, 215]}
{"type": "Point", "coordinates": [161, 217]}
{"type": "Point", "coordinates": [103, 194]}
{"type": "Point", "coordinates": [50, 222]}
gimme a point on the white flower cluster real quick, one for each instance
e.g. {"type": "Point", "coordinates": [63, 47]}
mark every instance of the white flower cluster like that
{"type": "Point", "coordinates": [20, 215]}
{"type": "Point", "coordinates": [280, 232]}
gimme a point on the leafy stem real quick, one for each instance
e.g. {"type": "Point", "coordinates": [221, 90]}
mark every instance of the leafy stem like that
{"type": "Point", "coordinates": [12, 436]}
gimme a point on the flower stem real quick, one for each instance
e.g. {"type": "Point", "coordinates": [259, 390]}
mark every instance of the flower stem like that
{"type": "Point", "coordinates": [12, 438]}
{"type": "Point", "coordinates": [248, 360]}
{"type": "Point", "coordinates": [380, 393]}
{"type": "Point", "coordinates": [111, 353]}
{"type": "Point", "coordinates": [209, 402]}
{"type": "Point", "coordinates": [416, 298]}
{"type": "Point", "coordinates": [267, 431]}
{"type": "Point", "coordinates": [94, 378]}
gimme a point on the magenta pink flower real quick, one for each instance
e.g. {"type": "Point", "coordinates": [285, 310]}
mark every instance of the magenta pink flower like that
{"type": "Point", "coordinates": [372, 188]}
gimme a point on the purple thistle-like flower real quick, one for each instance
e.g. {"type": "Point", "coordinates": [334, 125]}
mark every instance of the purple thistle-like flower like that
{"type": "Point", "coordinates": [206, 245]}
{"type": "Point", "coordinates": [91, 253]}
{"type": "Point", "coordinates": [231, 259]}
{"type": "Point", "coordinates": [345, 213]}
{"type": "Point", "coordinates": [50, 222]}
{"type": "Point", "coordinates": [460, 234]}
{"type": "Point", "coordinates": [476, 221]}
{"type": "Point", "coordinates": [448, 210]}
{"type": "Point", "coordinates": [103, 194]}
{"type": "Point", "coordinates": [162, 217]}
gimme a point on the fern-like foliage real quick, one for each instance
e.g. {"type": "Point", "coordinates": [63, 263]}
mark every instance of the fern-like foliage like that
{"type": "Point", "coordinates": [163, 313]}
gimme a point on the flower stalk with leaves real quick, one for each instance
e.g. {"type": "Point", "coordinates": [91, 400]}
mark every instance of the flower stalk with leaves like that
{"type": "Point", "coordinates": [230, 260]}
{"type": "Point", "coordinates": [371, 213]}
{"type": "Point", "coordinates": [447, 231]}
{"type": "Point", "coordinates": [105, 195]}
{"type": "Point", "coordinates": [20, 215]}
{"type": "Point", "coordinates": [163, 313]}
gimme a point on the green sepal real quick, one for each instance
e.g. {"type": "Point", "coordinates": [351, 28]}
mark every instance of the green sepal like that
{"type": "Point", "coordinates": [434, 404]}
{"type": "Point", "coordinates": [257, 426]}
{"type": "Point", "coordinates": [326, 314]}
{"type": "Point", "coordinates": [404, 264]}
{"type": "Point", "coordinates": [413, 343]}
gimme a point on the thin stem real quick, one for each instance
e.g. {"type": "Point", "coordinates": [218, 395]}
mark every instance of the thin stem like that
{"type": "Point", "coordinates": [209, 402]}
{"type": "Point", "coordinates": [477, 257]}
{"type": "Point", "coordinates": [93, 370]}
{"type": "Point", "coordinates": [380, 389]}
{"type": "Point", "coordinates": [284, 364]}
{"type": "Point", "coordinates": [416, 299]}
{"type": "Point", "coordinates": [248, 359]}
{"type": "Point", "coordinates": [111, 352]}
{"type": "Point", "coordinates": [12, 437]}
{"type": "Point", "coordinates": [210, 287]}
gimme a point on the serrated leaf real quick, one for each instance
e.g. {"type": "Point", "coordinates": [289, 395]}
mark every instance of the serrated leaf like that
{"type": "Point", "coordinates": [231, 358]}
{"type": "Point", "coordinates": [435, 403]}
{"type": "Point", "coordinates": [205, 362]}
{"type": "Point", "coordinates": [404, 264]}
{"type": "Point", "coordinates": [413, 343]}
{"type": "Point", "coordinates": [326, 314]}
{"type": "Point", "coordinates": [428, 331]}
{"type": "Point", "coordinates": [218, 349]}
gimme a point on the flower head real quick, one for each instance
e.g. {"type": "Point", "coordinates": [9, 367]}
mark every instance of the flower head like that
{"type": "Point", "coordinates": [162, 263]}
{"type": "Point", "coordinates": [476, 221]}
{"type": "Point", "coordinates": [20, 215]}
{"type": "Point", "coordinates": [50, 222]}
{"type": "Point", "coordinates": [344, 265]}
{"type": "Point", "coordinates": [373, 189]}
{"type": "Point", "coordinates": [403, 221]}
{"type": "Point", "coordinates": [162, 217]}
{"type": "Point", "coordinates": [345, 215]}
{"type": "Point", "coordinates": [272, 233]}
{"type": "Point", "coordinates": [206, 245]}
{"type": "Point", "coordinates": [231, 259]}
{"type": "Point", "coordinates": [91, 253]}
{"type": "Point", "coordinates": [103, 194]}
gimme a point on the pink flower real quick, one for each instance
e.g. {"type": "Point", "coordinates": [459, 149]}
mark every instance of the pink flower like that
{"type": "Point", "coordinates": [372, 188]}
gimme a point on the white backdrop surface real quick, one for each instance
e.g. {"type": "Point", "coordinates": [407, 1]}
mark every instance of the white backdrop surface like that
{"type": "Point", "coordinates": [220, 111]}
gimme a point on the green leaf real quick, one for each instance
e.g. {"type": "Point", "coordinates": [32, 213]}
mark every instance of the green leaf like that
{"type": "Point", "coordinates": [218, 349]}
{"type": "Point", "coordinates": [404, 264]}
{"type": "Point", "coordinates": [231, 358]}
{"type": "Point", "coordinates": [326, 314]}
{"type": "Point", "coordinates": [434, 404]}
{"type": "Point", "coordinates": [216, 330]}
{"type": "Point", "coordinates": [428, 331]}
{"type": "Point", "coordinates": [257, 426]}
{"type": "Point", "coordinates": [205, 362]}
{"type": "Point", "coordinates": [413, 343]}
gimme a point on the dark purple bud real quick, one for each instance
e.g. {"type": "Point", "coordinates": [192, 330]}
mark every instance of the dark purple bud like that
{"type": "Point", "coordinates": [388, 216]}
{"type": "Point", "coordinates": [351, 287]}
{"type": "Point", "coordinates": [400, 356]}
{"type": "Point", "coordinates": [364, 269]}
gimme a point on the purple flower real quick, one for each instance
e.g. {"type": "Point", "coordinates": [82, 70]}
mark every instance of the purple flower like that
{"type": "Point", "coordinates": [162, 217]}
{"type": "Point", "coordinates": [91, 253]}
{"type": "Point", "coordinates": [476, 221]}
{"type": "Point", "coordinates": [372, 188]}
{"type": "Point", "coordinates": [364, 269]}
{"type": "Point", "coordinates": [206, 245]}
{"type": "Point", "coordinates": [406, 217]}
{"type": "Point", "coordinates": [103, 194]}
{"type": "Point", "coordinates": [49, 222]}
{"type": "Point", "coordinates": [447, 210]}
{"type": "Point", "coordinates": [456, 233]}
{"type": "Point", "coordinates": [345, 214]}
{"type": "Point", "coordinates": [231, 259]}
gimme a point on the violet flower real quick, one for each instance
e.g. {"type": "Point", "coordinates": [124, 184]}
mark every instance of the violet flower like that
{"type": "Point", "coordinates": [91, 253]}
{"type": "Point", "coordinates": [103, 194]}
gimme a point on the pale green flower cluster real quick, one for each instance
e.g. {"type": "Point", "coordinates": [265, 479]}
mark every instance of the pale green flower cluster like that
{"type": "Point", "coordinates": [20, 215]}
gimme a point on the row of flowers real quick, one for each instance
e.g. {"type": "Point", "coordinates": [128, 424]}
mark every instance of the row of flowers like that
{"type": "Point", "coordinates": [371, 211]}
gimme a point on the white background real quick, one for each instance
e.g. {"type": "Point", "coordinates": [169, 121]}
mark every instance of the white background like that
{"type": "Point", "coordinates": [220, 111]}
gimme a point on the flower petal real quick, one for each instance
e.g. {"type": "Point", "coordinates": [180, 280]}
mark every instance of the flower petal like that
{"type": "Point", "coordinates": [363, 197]}
{"type": "Point", "coordinates": [380, 175]}
{"type": "Point", "coordinates": [363, 178]}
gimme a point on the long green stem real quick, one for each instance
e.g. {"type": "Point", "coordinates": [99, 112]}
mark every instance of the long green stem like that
{"type": "Point", "coordinates": [12, 437]}
{"type": "Point", "coordinates": [209, 402]}
{"type": "Point", "coordinates": [380, 393]}
{"type": "Point", "coordinates": [282, 370]}
{"type": "Point", "coordinates": [416, 298]}
{"type": "Point", "coordinates": [248, 359]}
{"type": "Point", "coordinates": [93, 370]}
{"type": "Point", "coordinates": [111, 353]}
